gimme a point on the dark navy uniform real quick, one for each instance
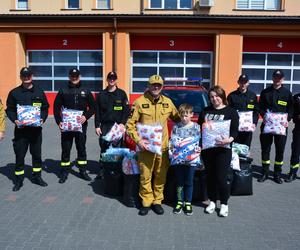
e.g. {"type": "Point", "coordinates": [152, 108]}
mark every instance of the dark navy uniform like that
{"type": "Point", "coordinates": [111, 107]}
{"type": "Point", "coordinates": [274, 100]}
{"type": "Point", "coordinates": [25, 137]}
{"type": "Point", "coordinates": [296, 140]}
{"type": "Point", "coordinates": [76, 97]}
{"type": "Point", "coordinates": [244, 102]}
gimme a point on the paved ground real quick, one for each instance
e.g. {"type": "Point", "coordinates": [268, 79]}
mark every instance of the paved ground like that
{"type": "Point", "coordinates": [76, 215]}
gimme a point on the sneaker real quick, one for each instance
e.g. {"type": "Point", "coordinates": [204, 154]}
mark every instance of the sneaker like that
{"type": "Point", "coordinates": [210, 208]}
{"type": "Point", "coordinates": [178, 208]}
{"type": "Point", "coordinates": [224, 210]}
{"type": "Point", "coordinates": [188, 210]}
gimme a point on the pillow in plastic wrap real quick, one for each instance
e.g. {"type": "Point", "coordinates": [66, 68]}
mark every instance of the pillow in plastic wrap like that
{"type": "Point", "coordinates": [130, 165]}
{"type": "Point", "coordinates": [183, 151]}
{"type": "Point", "coordinates": [71, 120]}
{"type": "Point", "coordinates": [214, 130]}
{"type": "Point", "coordinates": [246, 121]}
{"type": "Point", "coordinates": [115, 133]}
{"type": "Point", "coordinates": [241, 149]}
{"type": "Point", "coordinates": [152, 134]}
{"type": "Point", "coordinates": [235, 161]}
{"type": "Point", "coordinates": [114, 154]}
{"type": "Point", "coordinates": [28, 115]}
{"type": "Point", "coordinates": [275, 123]}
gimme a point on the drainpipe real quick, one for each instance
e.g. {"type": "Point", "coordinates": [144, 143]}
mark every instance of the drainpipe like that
{"type": "Point", "coordinates": [114, 33]}
{"type": "Point", "coordinates": [142, 7]}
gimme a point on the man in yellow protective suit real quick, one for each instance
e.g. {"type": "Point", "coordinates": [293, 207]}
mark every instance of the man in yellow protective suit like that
{"type": "Point", "coordinates": [2, 121]}
{"type": "Point", "coordinates": [152, 108]}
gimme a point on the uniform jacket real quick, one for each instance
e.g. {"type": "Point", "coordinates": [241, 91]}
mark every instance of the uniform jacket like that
{"type": "Point", "coordinates": [2, 118]}
{"type": "Point", "coordinates": [244, 102]}
{"type": "Point", "coordinates": [296, 115]}
{"type": "Point", "coordinates": [111, 107]}
{"type": "Point", "coordinates": [276, 100]}
{"type": "Point", "coordinates": [22, 96]}
{"type": "Point", "coordinates": [146, 111]}
{"type": "Point", "coordinates": [74, 97]}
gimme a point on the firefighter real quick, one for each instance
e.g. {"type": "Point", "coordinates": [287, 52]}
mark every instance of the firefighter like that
{"type": "Point", "coordinates": [77, 97]}
{"type": "Point", "coordinates": [274, 98]}
{"type": "Point", "coordinates": [2, 121]}
{"type": "Point", "coordinates": [296, 141]}
{"type": "Point", "coordinates": [243, 99]}
{"type": "Point", "coordinates": [111, 107]}
{"type": "Point", "coordinates": [27, 94]}
{"type": "Point", "coordinates": [152, 108]}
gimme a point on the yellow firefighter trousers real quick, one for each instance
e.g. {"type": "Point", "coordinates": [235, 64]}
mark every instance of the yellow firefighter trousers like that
{"type": "Point", "coordinates": [154, 170]}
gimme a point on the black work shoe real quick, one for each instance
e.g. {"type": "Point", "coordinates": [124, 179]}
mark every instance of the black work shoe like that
{"type": "Point", "coordinates": [100, 176]}
{"type": "Point", "coordinates": [157, 208]}
{"type": "Point", "coordinates": [188, 210]}
{"type": "Point", "coordinates": [84, 175]}
{"type": "Point", "coordinates": [263, 178]}
{"type": "Point", "coordinates": [277, 179]}
{"type": "Point", "coordinates": [144, 211]}
{"type": "Point", "coordinates": [63, 177]}
{"type": "Point", "coordinates": [39, 181]}
{"type": "Point", "coordinates": [17, 186]}
{"type": "Point", "coordinates": [291, 178]}
{"type": "Point", "coordinates": [178, 208]}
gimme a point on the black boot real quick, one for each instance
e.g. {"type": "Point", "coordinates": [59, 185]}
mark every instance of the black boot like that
{"type": "Point", "coordinates": [18, 182]}
{"type": "Point", "coordinates": [265, 174]}
{"type": "Point", "coordinates": [37, 179]}
{"type": "Point", "coordinates": [292, 175]}
{"type": "Point", "coordinates": [84, 175]}
{"type": "Point", "coordinates": [63, 175]}
{"type": "Point", "coordinates": [277, 174]}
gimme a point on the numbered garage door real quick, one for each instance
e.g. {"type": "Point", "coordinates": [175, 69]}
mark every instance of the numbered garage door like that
{"type": "Point", "coordinates": [261, 56]}
{"type": "Point", "coordinates": [181, 57]}
{"type": "Point", "coordinates": [51, 58]}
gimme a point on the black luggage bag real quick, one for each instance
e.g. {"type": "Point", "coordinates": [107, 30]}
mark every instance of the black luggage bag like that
{"type": "Point", "coordinates": [242, 180]}
{"type": "Point", "coordinates": [131, 190]}
{"type": "Point", "coordinates": [113, 178]}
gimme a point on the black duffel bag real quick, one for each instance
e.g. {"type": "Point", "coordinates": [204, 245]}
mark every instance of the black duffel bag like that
{"type": "Point", "coordinates": [131, 190]}
{"type": "Point", "coordinates": [242, 180]}
{"type": "Point", "coordinates": [113, 178]}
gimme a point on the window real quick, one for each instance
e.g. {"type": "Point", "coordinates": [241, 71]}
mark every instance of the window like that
{"type": "Point", "coordinates": [170, 4]}
{"type": "Point", "coordinates": [51, 67]}
{"type": "Point", "coordinates": [258, 4]}
{"type": "Point", "coordinates": [72, 4]}
{"type": "Point", "coordinates": [22, 4]}
{"type": "Point", "coordinates": [260, 66]}
{"type": "Point", "coordinates": [169, 64]}
{"type": "Point", "coordinates": [103, 4]}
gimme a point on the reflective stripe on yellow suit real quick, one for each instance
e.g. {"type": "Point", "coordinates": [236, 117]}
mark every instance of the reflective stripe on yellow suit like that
{"type": "Point", "coordinates": [152, 166]}
{"type": "Point", "coordinates": [2, 118]}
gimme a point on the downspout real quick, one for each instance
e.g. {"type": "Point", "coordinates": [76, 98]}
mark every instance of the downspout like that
{"type": "Point", "coordinates": [114, 33]}
{"type": "Point", "coordinates": [142, 7]}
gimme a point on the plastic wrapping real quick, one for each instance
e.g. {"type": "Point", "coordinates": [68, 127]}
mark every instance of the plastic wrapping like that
{"type": "Point", "coordinates": [214, 130]}
{"type": "Point", "coordinates": [275, 123]}
{"type": "Point", "coordinates": [183, 151]}
{"type": "Point", "coordinates": [115, 134]}
{"type": "Point", "coordinates": [71, 120]}
{"type": "Point", "coordinates": [114, 154]}
{"type": "Point", "coordinates": [152, 134]}
{"type": "Point", "coordinates": [130, 165]}
{"type": "Point", "coordinates": [28, 115]}
{"type": "Point", "coordinates": [241, 149]}
{"type": "Point", "coordinates": [235, 161]}
{"type": "Point", "coordinates": [246, 121]}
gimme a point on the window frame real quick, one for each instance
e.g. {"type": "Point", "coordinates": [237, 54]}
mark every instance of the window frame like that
{"type": "Point", "coordinates": [159, 65]}
{"type": "Point", "coordinates": [280, 6]}
{"type": "Point", "coordinates": [267, 67]}
{"type": "Point", "coordinates": [163, 5]}
{"type": "Point", "coordinates": [17, 5]}
{"type": "Point", "coordinates": [108, 7]}
{"type": "Point", "coordinates": [67, 5]}
{"type": "Point", "coordinates": [78, 64]}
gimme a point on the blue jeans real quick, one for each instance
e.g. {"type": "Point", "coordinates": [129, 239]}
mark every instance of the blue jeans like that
{"type": "Point", "coordinates": [184, 179]}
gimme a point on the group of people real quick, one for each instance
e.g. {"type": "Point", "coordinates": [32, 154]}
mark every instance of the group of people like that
{"type": "Point", "coordinates": [112, 106]}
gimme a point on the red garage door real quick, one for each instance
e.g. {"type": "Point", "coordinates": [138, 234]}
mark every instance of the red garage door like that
{"type": "Point", "coordinates": [51, 56]}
